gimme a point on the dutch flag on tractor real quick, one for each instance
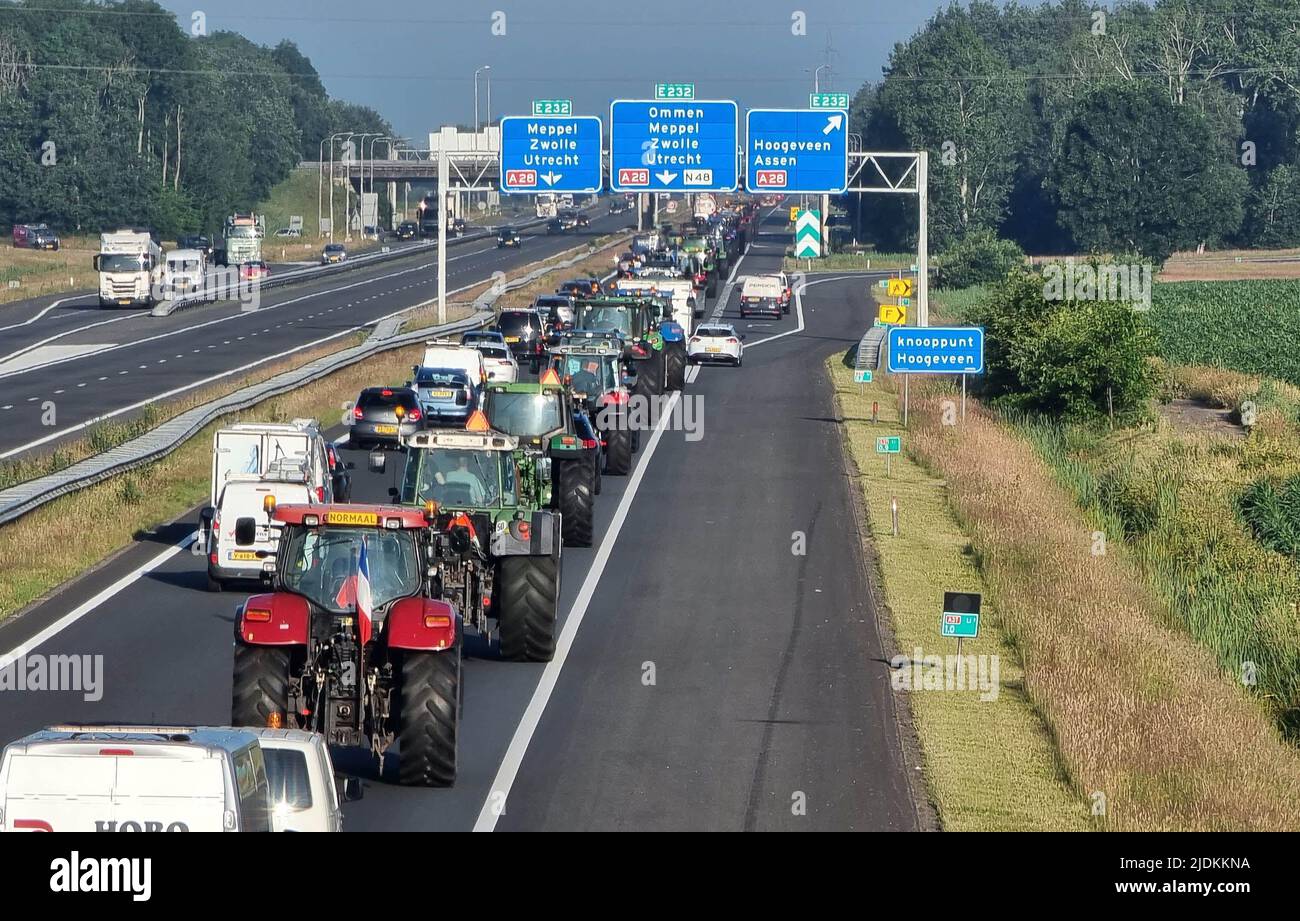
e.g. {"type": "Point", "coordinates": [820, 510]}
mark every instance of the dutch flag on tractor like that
{"type": "Point", "coordinates": [356, 590]}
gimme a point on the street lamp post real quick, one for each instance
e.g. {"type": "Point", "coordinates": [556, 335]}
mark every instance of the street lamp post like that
{"type": "Point", "coordinates": [476, 73]}
{"type": "Point", "coordinates": [335, 135]}
{"type": "Point", "coordinates": [361, 188]}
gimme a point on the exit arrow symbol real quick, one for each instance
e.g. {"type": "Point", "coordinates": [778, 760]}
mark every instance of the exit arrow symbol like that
{"type": "Point", "coordinates": [552, 178]}
{"type": "Point", "coordinates": [665, 177]}
{"type": "Point", "coordinates": [833, 123]}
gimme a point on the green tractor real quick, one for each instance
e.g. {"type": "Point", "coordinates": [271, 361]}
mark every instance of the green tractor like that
{"type": "Point", "coordinates": [496, 546]}
{"type": "Point", "coordinates": [560, 445]}
{"type": "Point", "coordinates": [635, 321]}
{"type": "Point", "coordinates": [592, 369]}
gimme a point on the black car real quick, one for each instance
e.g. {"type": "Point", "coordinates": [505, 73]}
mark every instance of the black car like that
{"type": "Point", "coordinates": [407, 230]}
{"type": "Point", "coordinates": [195, 241]}
{"type": "Point", "coordinates": [555, 225]}
{"type": "Point", "coordinates": [458, 226]}
{"type": "Point", "coordinates": [582, 219]}
{"type": "Point", "coordinates": [508, 236]}
{"type": "Point", "coordinates": [525, 335]}
{"type": "Point", "coordinates": [382, 415]}
{"type": "Point", "coordinates": [579, 287]}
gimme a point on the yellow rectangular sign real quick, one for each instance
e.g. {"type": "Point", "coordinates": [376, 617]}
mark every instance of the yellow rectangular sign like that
{"type": "Point", "coordinates": [794, 213]}
{"type": "Point", "coordinates": [899, 287]}
{"type": "Point", "coordinates": [362, 518]}
{"type": "Point", "coordinates": [893, 314]}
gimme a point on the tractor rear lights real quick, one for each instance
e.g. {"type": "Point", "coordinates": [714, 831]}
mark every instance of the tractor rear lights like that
{"type": "Point", "coordinates": [437, 621]}
{"type": "Point", "coordinates": [257, 616]}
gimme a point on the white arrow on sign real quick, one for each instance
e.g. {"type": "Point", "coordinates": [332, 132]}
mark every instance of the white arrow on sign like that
{"type": "Point", "coordinates": [552, 178]}
{"type": "Point", "coordinates": [665, 177]}
{"type": "Point", "coordinates": [832, 123]}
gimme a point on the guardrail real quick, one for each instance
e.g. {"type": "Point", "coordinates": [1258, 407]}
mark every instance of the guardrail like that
{"type": "Point", "coordinates": [869, 349]}
{"type": "Point", "coordinates": [170, 435]}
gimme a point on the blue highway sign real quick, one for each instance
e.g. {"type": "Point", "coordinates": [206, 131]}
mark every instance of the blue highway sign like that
{"type": "Point", "coordinates": [936, 350]}
{"type": "Point", "coordinates": [797, 150]}
{"type": "Point", "coordinates": [542, 153]}
{"type": "Point", "coordinates": [686, 146]}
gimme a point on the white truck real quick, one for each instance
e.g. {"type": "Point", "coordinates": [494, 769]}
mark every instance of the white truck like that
{"type": "Point", "coordinates": [681, 289]}
{"type": "Point", "coordinates": [170, 779]}
{"type": "Point", "coordinates": [705, 206]}
{"type": "Point", "coordinates": [130, 267]}
{"type": "Point", "coordinates": [253, 447]}
{"type": "Point", "coordinates": [184, 272]}
{"type": "Point", "coordinates": [546, 205]}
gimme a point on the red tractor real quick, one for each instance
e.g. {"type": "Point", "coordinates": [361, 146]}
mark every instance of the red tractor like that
{"type": "Point", "coordinates": [352, 642]}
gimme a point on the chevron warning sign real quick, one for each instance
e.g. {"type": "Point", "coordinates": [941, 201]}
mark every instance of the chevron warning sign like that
{"type": "Point", "coordinates": [808, 235]}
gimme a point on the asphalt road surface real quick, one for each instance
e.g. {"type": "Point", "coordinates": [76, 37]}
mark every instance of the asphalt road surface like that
{"type": "Point", "coordinates": [708, 677]}
{"type": "Point", "coordinates": [92, 362]}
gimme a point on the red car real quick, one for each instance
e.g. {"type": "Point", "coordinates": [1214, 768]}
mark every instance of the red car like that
{"type": "Point", "coordinates": [249, 271]}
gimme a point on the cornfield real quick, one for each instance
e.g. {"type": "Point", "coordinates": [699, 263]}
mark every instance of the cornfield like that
{"type": "Point", "coordinates": [1248, 326]}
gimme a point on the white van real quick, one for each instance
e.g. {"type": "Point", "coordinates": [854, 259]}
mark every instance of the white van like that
{"type": "Point", "coordinates": [134, 778]}
{"type": "Point", "coordinates": [253, 447]}
{"type": "Point", "coordinates": [761, 294]}
{"type": "Point", "coordinates": [243, 534]}
{"type": "Point", "coordinates": [682, 291]}
{"type": "Point", "coordinates": [303, 792]}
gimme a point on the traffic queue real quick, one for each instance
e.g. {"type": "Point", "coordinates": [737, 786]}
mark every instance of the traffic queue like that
{"type": "Point", "coordinates": [354, 634]}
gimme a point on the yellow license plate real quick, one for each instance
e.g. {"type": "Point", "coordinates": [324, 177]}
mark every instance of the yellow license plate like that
{"type": "Point", "coordinates": [386, 429]}
{"type": "Point", "coordinates": [243, 555]}
{"type": "Point", "coordinates": [365, 518]}
{"type": "Point", "coordinates": [124, 300]}
{"type": "Point", "coordinates": [440, 394]}
{"type": "Point", "coordinates": [713, 348]}
{"type": "Point", "coordinates": [512, 338]}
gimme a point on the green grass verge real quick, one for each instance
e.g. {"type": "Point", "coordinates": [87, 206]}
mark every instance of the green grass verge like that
{"type": "Point", "coordinates": [988, 765]}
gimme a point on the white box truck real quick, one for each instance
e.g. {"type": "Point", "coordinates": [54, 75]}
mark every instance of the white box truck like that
{"type": "Point", "coordinates": [130, 267]}
{"type": "Point", "coordinates": [184, 272]}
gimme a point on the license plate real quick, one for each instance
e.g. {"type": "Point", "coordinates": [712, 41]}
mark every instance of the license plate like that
{"type": "Point", "coordinates": [124, 300]}
{"type": "Point", "coordinates": [365, 518]}
{"type": "Point", "coordinates": [512, 338]}
{"type": "Point", "coordinates": [712, 348]}
{"type": "Point", "coordinates": [385, 430]}
{"type": "Point", "coordinates": [440, 394]}
{"type": "Point", "coordinates": [243, 554]}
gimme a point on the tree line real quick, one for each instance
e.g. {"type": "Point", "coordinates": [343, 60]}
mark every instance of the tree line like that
{"type": "Point", "coordinates": [1140, 129]}
{"type": "Point", "coordinates": [117, 114]}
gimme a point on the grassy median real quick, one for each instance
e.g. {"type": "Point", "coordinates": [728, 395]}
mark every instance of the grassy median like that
{"type": "Point", "coordinates": [989, 765]}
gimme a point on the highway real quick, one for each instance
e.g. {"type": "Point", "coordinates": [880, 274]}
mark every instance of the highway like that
{"type": "Point", "coordinates": [94, 363]}
{"type": "Point", "coordinates": [707, 677]}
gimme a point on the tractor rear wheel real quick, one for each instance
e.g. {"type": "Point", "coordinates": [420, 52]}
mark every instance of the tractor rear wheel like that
{"type": "Point", "coordinates": [526, 610]}
{"type": "Point", "coordinates": [575, 498]}
{"type": "Point", "coordinates": [618, 450]}
{"type": "Point", "coordinates": [428, 718]}
{"type": "Point", "coordinates": [261, 686]}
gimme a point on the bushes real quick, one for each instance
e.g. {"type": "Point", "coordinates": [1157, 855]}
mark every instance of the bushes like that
{"type": "Point", "coordinates": [979, 258]}
{"type": "Point", "coordinates": [1064, 359]}
{"type": "Point", "coordinates": [1272, 512]}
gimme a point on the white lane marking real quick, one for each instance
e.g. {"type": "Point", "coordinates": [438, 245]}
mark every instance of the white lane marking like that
{"type": "Point", "coordinates": [67, 620]}
{"type": "Point", "coordinates": [514, 756]}
{"type": "Point", "coordinates": [48, 339]}
{"type": "Point", "coordinates": [61, 300]}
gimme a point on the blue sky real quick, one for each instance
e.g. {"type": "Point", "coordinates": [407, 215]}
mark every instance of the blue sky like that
{"type": "Point", "coordinates": [414, 60]}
